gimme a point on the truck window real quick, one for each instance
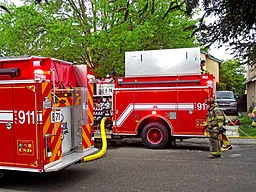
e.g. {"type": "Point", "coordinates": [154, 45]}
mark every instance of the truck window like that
{"type": "Point", "coordinates": [225, 95]}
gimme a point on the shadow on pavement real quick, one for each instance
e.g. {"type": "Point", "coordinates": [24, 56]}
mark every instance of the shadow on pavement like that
{"type": "Point", "coordinates": [136, 142]}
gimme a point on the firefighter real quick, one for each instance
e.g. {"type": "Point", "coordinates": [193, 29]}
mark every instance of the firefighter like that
{"type": "Point", "coordinates": [202, 67]}
{"type": "Point", "coordinates": [215, 121]}
{"type": "Point", "coordinates": [253, 125]}
{"type": "Point", "coordinates": [252, 114]}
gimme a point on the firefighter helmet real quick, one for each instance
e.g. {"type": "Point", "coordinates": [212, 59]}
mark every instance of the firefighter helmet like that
{"type": "Point", "coordinates": [210, 101]}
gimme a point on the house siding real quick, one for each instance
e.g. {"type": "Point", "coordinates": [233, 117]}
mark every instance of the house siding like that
{"type": "Point", "coordinates": [251, 90]}
{"type": "Point", "coordinates": [251, 85]}
{"type": "Point", "coordinates": [212, 66]}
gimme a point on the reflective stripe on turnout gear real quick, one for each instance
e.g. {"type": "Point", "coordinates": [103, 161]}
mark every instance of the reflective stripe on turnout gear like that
{"type": "Point", "coordinates": [216, 153]}
{"type": "Point", "coordinates": [215, 116]}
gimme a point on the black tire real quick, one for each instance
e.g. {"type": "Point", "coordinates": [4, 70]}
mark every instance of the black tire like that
{"type": "Point", "coordinates": [1, 174]}
{"type": "Point", "coordinates": [155, 136]}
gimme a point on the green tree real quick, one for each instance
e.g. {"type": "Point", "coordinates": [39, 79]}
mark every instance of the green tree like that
{"type": "Point", "coordinates": [232, 75]}
{"type": "Point", "coordinates": [221, 86]}
{"type": "Point", "coordinates": [2, 7]}
{"type": "Point", "coordinates": [44, 31]}
{"type": "Point", "coordinates": [232, 22]}
{"type": "Point", "coordinates": [96, 32]}
{"type": "Point", "coordinates": [229, 21]}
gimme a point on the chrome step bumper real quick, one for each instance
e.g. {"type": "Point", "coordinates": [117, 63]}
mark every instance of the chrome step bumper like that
{"type": "Point", "coordinates": [69, 159]}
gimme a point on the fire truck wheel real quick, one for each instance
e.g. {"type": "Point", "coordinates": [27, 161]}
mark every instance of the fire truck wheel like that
{"type": "Point", "coordinates": [155, 136]}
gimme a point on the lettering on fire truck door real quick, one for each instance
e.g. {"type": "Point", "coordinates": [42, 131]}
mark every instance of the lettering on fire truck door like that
{"type": "Point", "coordinates": [192, 117]}
{"type": "Point", "coordinates": [27, 118]}
{"type": "Point", "coordinates": [6, 126]}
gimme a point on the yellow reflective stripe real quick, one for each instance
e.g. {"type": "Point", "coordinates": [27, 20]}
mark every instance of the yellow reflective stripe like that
{"type": "Point", "coordinates": [216, 118]}
{"type": "Point", "coordinates": [219, 117]}
{"type": "Point", "coordinates": [220, 124]}
{"type": "Point", "coordinates": [215, 153]}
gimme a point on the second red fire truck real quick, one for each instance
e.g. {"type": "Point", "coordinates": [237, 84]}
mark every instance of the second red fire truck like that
{"type": "Point", "coordinates": [159, 99]}
{"type": "Point", "coordinates": [45, 114]}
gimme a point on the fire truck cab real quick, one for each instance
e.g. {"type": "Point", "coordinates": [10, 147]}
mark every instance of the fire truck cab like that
{"type": "Point", "coordinates": [161, 98]}
{"type": "Point", "coordinates": [43, 114]}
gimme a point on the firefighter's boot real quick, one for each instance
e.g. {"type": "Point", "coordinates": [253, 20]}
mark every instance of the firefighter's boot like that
{"type": "Point", "coordinates": [212, 156]}
{"type": "Point", "coordinates": [226, 148]}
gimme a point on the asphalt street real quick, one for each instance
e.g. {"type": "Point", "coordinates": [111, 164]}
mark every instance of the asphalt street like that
{"type": "Point", "coordinates": [129, 166]}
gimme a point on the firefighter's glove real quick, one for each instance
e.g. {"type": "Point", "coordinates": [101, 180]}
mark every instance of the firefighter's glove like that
{"type": "Point", "coordinates": [210, 129]}
{"type": "Point", "coordinates": [206, 133]}
{"type": "Point", "coordinates": [207, 130]}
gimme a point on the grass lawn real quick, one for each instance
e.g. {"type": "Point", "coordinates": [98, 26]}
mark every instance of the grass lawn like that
{"type": "Point", "coordinates": [244, 129]}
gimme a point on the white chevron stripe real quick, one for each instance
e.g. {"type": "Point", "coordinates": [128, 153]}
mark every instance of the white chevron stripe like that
{"type": "Point", "coordinates": [143, 107]}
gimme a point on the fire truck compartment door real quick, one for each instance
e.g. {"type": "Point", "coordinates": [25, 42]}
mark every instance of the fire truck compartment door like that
{"type": "Point", "coordinates": [66, 129]}
{"type": "Point", "coordinates": [124, 111]}
{"type": "Point", "coordinates": [193, 112]}
{"type": "Point", "coordinates": [27, 119]}
{"type": "Point", "coordinates": [7, 144]}
{"type": "Point", "coordinates": [79, 118]}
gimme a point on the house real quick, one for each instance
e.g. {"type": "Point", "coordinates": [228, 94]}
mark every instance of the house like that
{"type": "Point", "coordinates": [212, 64]}
{"type": "Point", "coordinates": [251, 85]}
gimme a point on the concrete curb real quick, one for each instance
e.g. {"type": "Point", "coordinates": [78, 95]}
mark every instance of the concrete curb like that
{"type": "Point", "coordinates": [244, 137]}
{"type": "Point", "coordinates": [233, 141]}
{"type": "Point", "coordinates": [242, 141]}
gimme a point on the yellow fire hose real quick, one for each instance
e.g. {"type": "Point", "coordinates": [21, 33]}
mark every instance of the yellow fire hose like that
{"type": "Point", "coordinates": [104, 143]}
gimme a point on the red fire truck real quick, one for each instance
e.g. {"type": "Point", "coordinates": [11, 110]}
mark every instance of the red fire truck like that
{"type": "Point", "coordinates": [157, 104]}
{"type": "Point", "coordinates": [44, 114]}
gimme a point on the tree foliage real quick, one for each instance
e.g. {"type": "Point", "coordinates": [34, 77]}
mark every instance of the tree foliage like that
{"type": "Point", "coordinates": [2, 7]}
{"type": "Point", "coordinates": [95, 32]}
{"type": "Point", "coordinates": [232, 76]}
{"type": "Point", "coordinates": [30, 31]}
{"type": "Point", "coordinates": [98, 32]}
{"type": "Point", "coordinates": [232, 22]}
